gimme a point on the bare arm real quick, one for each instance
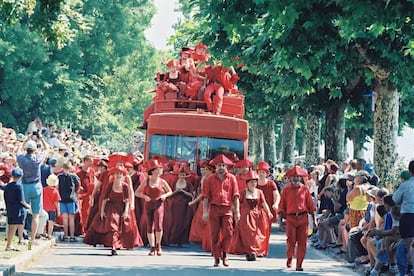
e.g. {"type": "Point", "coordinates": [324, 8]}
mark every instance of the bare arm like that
{"type": "Point", "coordinates": [139, 192]}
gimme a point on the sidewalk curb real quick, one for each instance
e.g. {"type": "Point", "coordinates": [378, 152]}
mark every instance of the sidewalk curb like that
{"type": "Point", "coordinates": [9, 267]}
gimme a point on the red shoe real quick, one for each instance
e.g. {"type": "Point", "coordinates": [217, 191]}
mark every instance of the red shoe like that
{"type": "Point", "coordinates": [226, 262]}
{"type": "Point", "coordinates": [289, 262]}
{"type": "Point", "coordinates": [159, 250]}
{"type": "Point", "coordinates": [152, 251]}
{"type": "Point", "coordinates": [299, 269]}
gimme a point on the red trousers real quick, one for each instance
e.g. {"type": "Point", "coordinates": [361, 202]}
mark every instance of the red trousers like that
{"type": "Point", "coordinates": [84, 210]}
{"type": "Point", "coordinates": [297, 233]}
{"type": "Point", "coordinates": [218, 90]}
{"type": "Point", "coordinates": [220, 219]}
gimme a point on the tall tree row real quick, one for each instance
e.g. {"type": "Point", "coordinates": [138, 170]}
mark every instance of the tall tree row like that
{"type": "Point", "coordinates": [80, 64]}
{"type": "Point", "coordinates": [339, 51]}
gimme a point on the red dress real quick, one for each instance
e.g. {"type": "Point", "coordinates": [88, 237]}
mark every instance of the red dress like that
{"type": "Point", "coordinates": [178, 221]}
{"type": "Point", "coordinates": [114, 231]}
{"type": "Point", "coordinates": [198, 225]}
{"type": "Point", "coordinates": [268, 190]}
{"type": "Point", "coordinates": [250, 235]}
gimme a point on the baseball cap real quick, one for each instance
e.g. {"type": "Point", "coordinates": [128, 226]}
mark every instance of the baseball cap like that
{"type": "Point", "coordinates": [30, 145]}
{"type": "Point", "coordinates": [17, 172]}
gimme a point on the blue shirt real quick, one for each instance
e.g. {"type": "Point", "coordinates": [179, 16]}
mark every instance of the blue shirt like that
{"type": "Point", "coordinates": [404, 196]}
{"type": "Point", "coordinates": [30, 164]}
{"type": "Point", "coordinates": [13, 195]}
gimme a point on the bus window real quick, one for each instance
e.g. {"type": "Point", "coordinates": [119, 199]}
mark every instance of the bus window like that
{"type": "Point", "coordinates": [192, 148]}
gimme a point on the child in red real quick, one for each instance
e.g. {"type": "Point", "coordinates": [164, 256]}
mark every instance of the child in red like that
{"type": "Point", "coordinates": [51, 200]}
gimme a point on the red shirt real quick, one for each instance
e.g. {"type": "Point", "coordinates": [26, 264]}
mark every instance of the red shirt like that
{"type": "Point", "coordinates": [294, 200]}
{"type": "Point", "coordinates": [220, 192]}
{"type": "Point", "coordinates": [50, 197]}
{"type": "Point", "coordinates": [86, 180]}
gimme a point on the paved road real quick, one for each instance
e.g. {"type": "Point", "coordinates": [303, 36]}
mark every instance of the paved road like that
{"type": "Point", "coordinates": [80, 259]}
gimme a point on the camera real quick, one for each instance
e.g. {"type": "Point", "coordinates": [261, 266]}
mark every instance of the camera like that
{"type": "Point", "coordinates": [36, 133]}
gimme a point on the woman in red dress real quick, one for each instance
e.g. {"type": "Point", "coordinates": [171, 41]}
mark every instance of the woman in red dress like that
{"type": "Point", "coordinates": [115, 222]}
{"type": "Point", "coordinates": [154, 190]}
{"type": "Point", "coordinates": [180, 214]}
{"type": "Point", "coordinates": [269, 190]}
{"type": "Point", "coordinates": [250, 235]}
{"type": "Point", "coordinates": [198, 225]}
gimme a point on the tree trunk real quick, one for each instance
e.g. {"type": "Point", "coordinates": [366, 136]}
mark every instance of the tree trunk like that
{"type": "Point", "coordinates": [269, 141]}
{"type": "Point", "coordinates": [288, 137]}
{"type": "Point", "coordinates": [313, 137]}
{"type": "Point", "coordinates": [357, 143]}
{"type": "Point", "coordinates": [257, 142]}
{"type": "Point", "coordinates": [335, 132]}
{"type": "Point", "coordinates": [385, 129]}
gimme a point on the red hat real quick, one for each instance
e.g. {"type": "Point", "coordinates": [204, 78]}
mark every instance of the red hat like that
{"type": "Point", "coordinates": [117, 157]}
{"type": "Point", "coordinates": [263, 166]}
{"type": "Point", "coordinates": [221, 158]}
{"type": "Point", "coordinates": [117, 169]}
{"type": "Point", "coordinates": [296, 171]}
{"type": "Point", "coordinates": [173, 63]}
{"type": "Point", "coordinates": [183, 170]}
{"type": "Point", "coordinates": [204, 164]}
{"type": "Point", "coordinates": [251, 175]}
{"type": "Point", "coordinates": [153, 164]}
{"type": "Point", "coordinates": [244, 163]}
{"type": "Point", "coordinates": [128, 165]}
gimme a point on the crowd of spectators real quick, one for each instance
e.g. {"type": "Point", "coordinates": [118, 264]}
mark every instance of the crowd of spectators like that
{"type": "Point", "coordinates": [359, 217]}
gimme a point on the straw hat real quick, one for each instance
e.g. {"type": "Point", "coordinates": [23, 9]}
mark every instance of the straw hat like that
{"type": "Point", "coordinates": [52, 180]}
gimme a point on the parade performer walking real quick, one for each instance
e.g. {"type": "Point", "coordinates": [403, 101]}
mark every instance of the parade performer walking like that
{"type": "Point", "coordinates": [220, 199]}
{"type": "Point", "coordinates": [250, 236]}
{"type": "Point", "coordinates": [295, 204]}
{"type": "Point", "coordinates": [113, 222]}
{"type": "Point", "coordinates": [154, 190]}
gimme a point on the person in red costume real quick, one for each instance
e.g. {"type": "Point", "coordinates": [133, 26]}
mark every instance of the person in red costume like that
{"type": "Point", "coordinates": [179, 213]}
{"type": "Point", "coordinates": [114, 222]}
{"type": "Point", "coordinates": [250, 235]}
{"type": "Point", "coordinates": [95, 201]}
{"type": "Point", "coordinates": [86, 176]}
{"type": "Point", "coordinates": [242, 168]}
{"type": "Point", "coordinates": [269, 190]}
{"type": "Point", "coordinates": [268, 187]}
{"type": "Point", "coordinates": [154, 190]}
{"type": "Point", "coordinates": [295, 204]}
{"type": "Point", "coordinates": [198, 225]}
{"type": "Point", "coordinates": [220, 200]}
{"type": "Point", "coordinates": [219, 81]}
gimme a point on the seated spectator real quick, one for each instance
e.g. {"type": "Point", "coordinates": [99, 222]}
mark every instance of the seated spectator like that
{"type": "Point", "coordinates": [374, 247]}
{"type": "Point", "coordinates": [327, 226]}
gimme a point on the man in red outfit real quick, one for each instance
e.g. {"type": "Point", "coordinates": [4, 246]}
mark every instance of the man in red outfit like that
{"type": "Point", "coordinates": [220, 199]}
{"type": "Point", "coordinates": [86, 176]}
{"type": "Point", "coordinates": [295, 204]}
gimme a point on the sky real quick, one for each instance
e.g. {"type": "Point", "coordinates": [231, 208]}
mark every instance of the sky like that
{"type": "Point", "coordinates": [162, 22]}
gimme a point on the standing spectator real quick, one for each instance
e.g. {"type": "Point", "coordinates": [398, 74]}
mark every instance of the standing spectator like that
{"type": "Point", "coordinates": [356, 197]}
{"type": "Point", "coordinates": [68, 187]}
{"type": "Point", "coordinates": [15, 205]}
{"type": "Point", "coordinates": [404, 196]}
{"type": "Point", "coordinates": [221, 194]}
{"type": "Point", "coordinates": [51, 200]}
{"type": "Point", "coordinates": [295, 204]}
{"type": "Point", "coordinates": [154, 190]}
{"type": "Point", "coordinates": [30, 164]}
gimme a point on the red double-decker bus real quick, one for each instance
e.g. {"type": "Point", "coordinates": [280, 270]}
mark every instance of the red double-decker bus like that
{"type": "Point", "coordinates": [192, 134]}
{"type": "Point", "coordinates": [197, 112]}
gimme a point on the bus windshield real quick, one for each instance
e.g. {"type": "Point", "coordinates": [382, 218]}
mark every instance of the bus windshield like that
{"type": "Point", "coordinates": [193, 148]}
